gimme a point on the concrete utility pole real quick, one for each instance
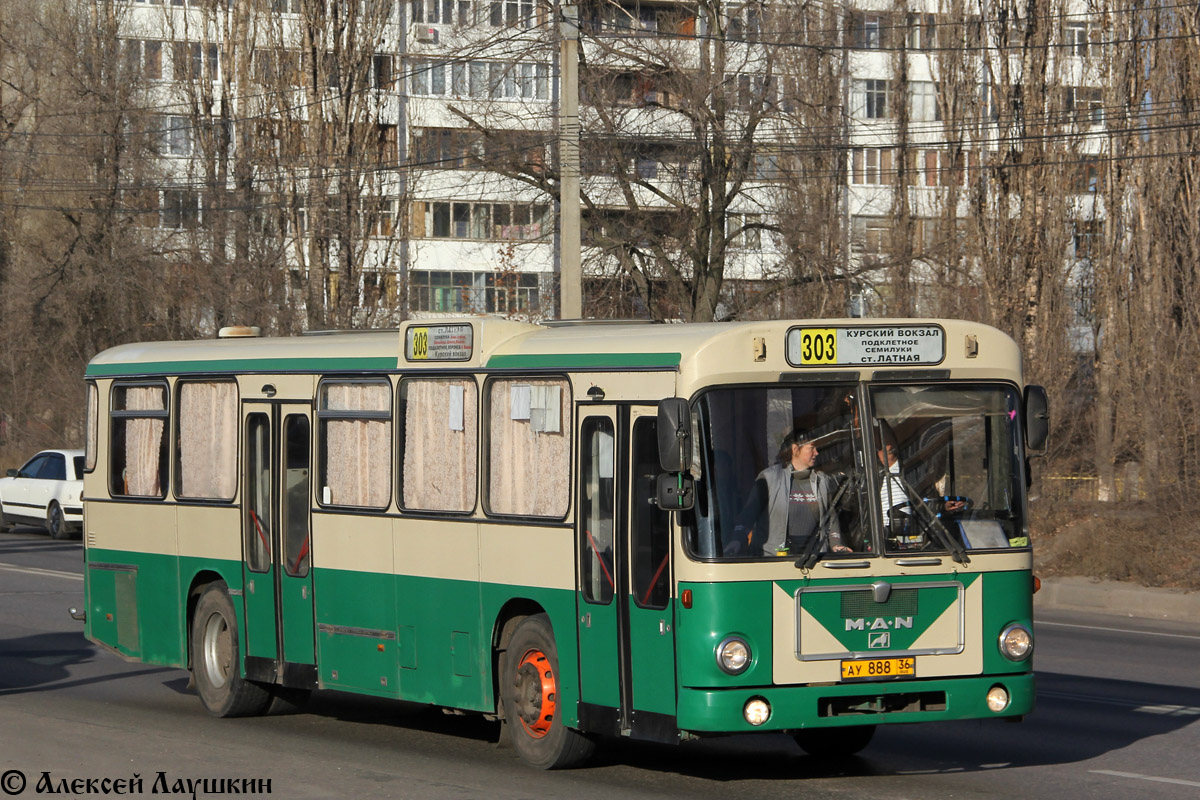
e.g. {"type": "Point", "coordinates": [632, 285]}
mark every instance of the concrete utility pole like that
{"type": "Point", "coordinates": [571, 273]}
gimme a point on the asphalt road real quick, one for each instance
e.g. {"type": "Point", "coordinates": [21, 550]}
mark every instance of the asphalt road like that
{"type": "Point", "coordinates": [1118, 701]}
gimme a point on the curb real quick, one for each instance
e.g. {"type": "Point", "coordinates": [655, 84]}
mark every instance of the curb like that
{"type": "Point", "coordinates": [1120, 599]}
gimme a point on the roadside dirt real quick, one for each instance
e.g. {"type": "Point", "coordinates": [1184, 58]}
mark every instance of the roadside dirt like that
{"type": "Point", "coordinates": [1132, 542]}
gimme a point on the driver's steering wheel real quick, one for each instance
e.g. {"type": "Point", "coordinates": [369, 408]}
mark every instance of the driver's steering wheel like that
{"type": "Point", "coordinates": [938, 504]}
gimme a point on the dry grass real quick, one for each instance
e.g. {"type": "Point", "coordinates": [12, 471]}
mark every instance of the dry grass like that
{"type": "Point", "coordinates": [1133, 542]}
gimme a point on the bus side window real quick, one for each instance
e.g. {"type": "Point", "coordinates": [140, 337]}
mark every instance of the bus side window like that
{"type": "Point", "coordinates": [596, 506]}
{"type": "Point", "coordinates": [257, 511]}
{"type": "Point", "coordinates": [138, 448]}
{"type": "Point", "coordinates": [296, 489]}
{"type": "Point", "coordinates": [651, 534]}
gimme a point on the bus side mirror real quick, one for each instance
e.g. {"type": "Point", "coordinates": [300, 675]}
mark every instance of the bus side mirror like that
{"type": "Point", "coordinates": [675, 491]}
{"type": "Point", "coordinates": [1037, 418]}
{"type": "Point", "coordinates": [674, 434]}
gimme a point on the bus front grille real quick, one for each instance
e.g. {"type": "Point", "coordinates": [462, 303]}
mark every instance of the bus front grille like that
{"type": "Point", "coordinates": [881, 703]}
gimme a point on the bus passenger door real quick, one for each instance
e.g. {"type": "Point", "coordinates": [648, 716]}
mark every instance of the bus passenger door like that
{"type": "Point", "coordinates": [599, 663]}
{"type": "Point", "coordinates": [626, 627]}
{"type": "Point", "coordinates": [276, 541]}
{"type": "Point", "coordinates": [650, 610]}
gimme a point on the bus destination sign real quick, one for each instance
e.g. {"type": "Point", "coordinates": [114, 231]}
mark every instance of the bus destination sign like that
{"type": "Point", "coordinates": [439, 343]}
{"type": "Point", "coordinates": [878, 344]}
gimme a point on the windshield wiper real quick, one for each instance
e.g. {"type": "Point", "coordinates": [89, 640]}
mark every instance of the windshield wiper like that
{"type": "Point", "coordinates": [931, 521]}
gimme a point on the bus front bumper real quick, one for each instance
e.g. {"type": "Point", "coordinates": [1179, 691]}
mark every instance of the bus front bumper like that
{"type": "Point", "coordinates": [794, 707]}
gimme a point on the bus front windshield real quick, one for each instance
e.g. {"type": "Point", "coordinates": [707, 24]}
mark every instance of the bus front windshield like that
{"type": "Point", "coordinates": [786, 472]}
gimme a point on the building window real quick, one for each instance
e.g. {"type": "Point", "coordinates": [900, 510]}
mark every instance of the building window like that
{"type": "Point", "coordinates": [922, 31]}
{"type": "Point", "coordinates": [1088, 176]}
{"type": "Point", "coordinates": [278, 67]}
{"type": "Point", "coordinates": [383, 73]}
{"type": "Point", "coordinates": [867, 31]}
{"type": "Point", "coordinates": [746, 24]}
{"type": "Point", "coordinates": [180, 209]}
{"type": "Point", "coordinates": [379, 216]}
{"type": "Point", "coordinates": [871, 234]}
{"type": "Point", "coordinates": [871, 99]}
{"type": "Point", "coordinates": [744, 231]}
{"type": "Point", "coordinates": [755, 92]}
{"type": "Point", "coordinates": [177, 139]}
{"type": "Point", "coordinates": [511, 292]}
{"type": "Point", "coordinates": [871, 165]}
{"type": "Point", "coordinates": [923, 102]}
{"type": "Point", "coordinates": [516, 13]}
{"type": "Point", "coordinates": [473, 292]}
{"type": "Point", "coordinates": [766, 166]}
{"type": "Point", "coordinates": [494, 80]}
{"type": "Point", "coordinates": [484, 221]}
{"type": "Point", "coordinates": [1079, 38]}
{"type": "Point", "coordinates": [143, 57]}
{"type": "Point", "coordinates": [443, 12]}
{"type": "Point", "coordinates": [938, 167]}
{"type": "Point", "coordinates": [192, 61]}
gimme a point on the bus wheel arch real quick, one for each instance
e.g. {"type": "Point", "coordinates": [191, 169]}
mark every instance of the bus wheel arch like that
{"type": "Point", "coordinates": [216, 658]}
{"type": "Point", "coordinates": [529, 677]}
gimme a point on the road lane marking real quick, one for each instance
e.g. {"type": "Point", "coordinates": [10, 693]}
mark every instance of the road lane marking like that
{"type": "Point", "coordinates": [1133, 705]}
{"type": "Point", "coordinates": [48, 573]}
{"type": "Point", "coordinates": [1117, 630]}
{"type": "Point", "coordinates": [1136, 776]}
{"type": "Point", "coordinates": [1170, 711]}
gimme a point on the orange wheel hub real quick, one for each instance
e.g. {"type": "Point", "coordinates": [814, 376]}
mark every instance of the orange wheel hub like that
{"type": "Point", "coordinates": [536, 693]}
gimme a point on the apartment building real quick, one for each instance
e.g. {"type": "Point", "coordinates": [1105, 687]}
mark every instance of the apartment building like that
{"type": "Point", "coordinates": [447, 121]}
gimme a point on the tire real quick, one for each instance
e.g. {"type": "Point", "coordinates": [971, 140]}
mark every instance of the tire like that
{"type": "Point", "coordinates": [56, 524]}
{"type": "Point", "coordinates": [217, 658]}
{"type": "Point", "coordinates": [5, 525]}
{"type": "Point", "coordinates": [834, 742]}
{"type": "Point", "coordinates": [529, 690]}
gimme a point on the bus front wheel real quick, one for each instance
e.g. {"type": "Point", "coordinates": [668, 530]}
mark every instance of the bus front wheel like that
{"type": "Point", "coordinates": [532, 706]}
{"type": "Point", "coordinates": [217, 659]}
{"type": "Point", "coordinates": [834, 742]}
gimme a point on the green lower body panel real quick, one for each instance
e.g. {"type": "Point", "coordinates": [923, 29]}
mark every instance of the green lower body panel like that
{"type": "Point", "coordinates": [794, 707]}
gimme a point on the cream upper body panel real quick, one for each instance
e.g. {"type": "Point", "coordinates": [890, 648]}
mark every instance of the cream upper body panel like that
{"type": "Point", "coordinates": [703, 354]}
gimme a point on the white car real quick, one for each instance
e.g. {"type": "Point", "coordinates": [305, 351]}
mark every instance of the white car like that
{"type": "Point", "coordinates": [48, 491]}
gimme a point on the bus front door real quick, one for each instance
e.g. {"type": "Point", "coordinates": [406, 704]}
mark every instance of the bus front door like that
{"type": "Point", "coordinates": [626, 617]}
{"type": "Point", "coordinates": [276, 543]}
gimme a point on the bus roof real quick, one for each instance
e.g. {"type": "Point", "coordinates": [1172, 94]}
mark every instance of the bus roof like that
{"type": "Point", "coordinates": [747, 349]}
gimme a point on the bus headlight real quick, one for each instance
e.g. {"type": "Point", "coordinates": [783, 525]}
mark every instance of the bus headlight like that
{"type": "Point", "coordinates": [756, 711]}
{"type": "Point", "coordinates": [1016, 642]}
{"type": "Point", "coordinates": [997, 698]}
{"type": "Point", "coordinates": [733, 655]}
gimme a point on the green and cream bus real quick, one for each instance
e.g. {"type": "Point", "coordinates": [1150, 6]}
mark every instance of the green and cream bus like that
{"type": "Point", "coordinates": [583, 530]}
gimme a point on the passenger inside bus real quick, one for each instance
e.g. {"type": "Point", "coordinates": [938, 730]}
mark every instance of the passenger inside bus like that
{"type": "Point", "coordinates": [789, 504]}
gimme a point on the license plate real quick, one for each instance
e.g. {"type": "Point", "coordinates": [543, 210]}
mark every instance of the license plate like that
{"type": "Point", "coordinates": [879, 668]}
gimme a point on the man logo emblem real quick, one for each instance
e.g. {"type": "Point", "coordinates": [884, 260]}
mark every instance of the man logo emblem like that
{"type": "Point", "coordinates": [878, 641]}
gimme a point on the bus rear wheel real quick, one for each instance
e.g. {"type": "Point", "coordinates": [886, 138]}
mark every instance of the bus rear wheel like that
{"type": "Point", "coordinates": [217, 659]}
{"type": "Point", "coordinates": [530, 692]}
{"type": "Point", "coordinates": [834, 742]}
